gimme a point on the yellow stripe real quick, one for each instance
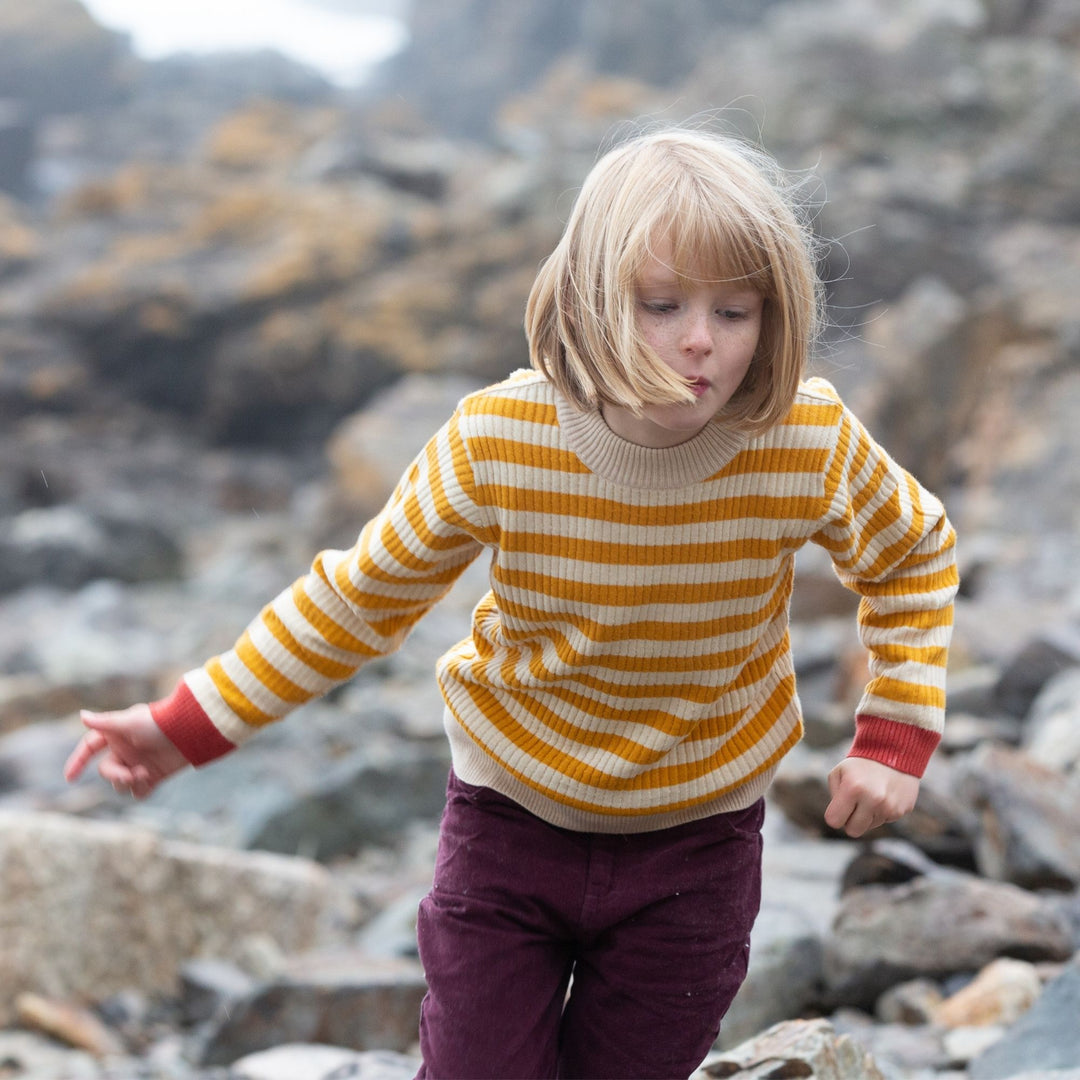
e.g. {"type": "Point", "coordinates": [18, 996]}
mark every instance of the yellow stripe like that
{"type": "Point", "coordinates": [331, 632]}
{"type": "Point", "coordinates": [634, 595]}
{"type": "Point", "coordinates": [643, 515]}
{"type": "Point", "coordinates": [516, 452]}
{"type": "Point", "coordinates": [929, 619]}
{"type": "Point", "coordinates": [777, 461]}
{"type": "Point", "coordinates": [643, 629]}
{"type": "Point", "coordinates": [812, 415]}
{"type": "Point", "coordinates": [930, 655]}
{"type": "Point", "coordinates": [267, 674]}
{"type": "Point", "coordinates": [907, 693]}
{"type": "Point", "coordinates": [329, 669]}
{"type": "Point", "coordinates": [512, 408]}
{"type": "Point", "coordinates": [237, 702]}
{"type": "Point", "coordinates": [610, 553]}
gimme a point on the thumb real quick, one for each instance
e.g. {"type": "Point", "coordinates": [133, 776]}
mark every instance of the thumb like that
{"type": "Point", "coordinates": [836, 779]}
{"type": "Point", "coordinates": [841, 803]}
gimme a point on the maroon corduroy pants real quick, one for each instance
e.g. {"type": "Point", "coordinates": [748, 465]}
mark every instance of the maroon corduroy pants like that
{"type": "Point", "coordinates": [649, 931]}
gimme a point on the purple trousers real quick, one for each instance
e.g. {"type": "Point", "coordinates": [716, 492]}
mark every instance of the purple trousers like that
{"type": "Point", "coordinates": [648, 932]}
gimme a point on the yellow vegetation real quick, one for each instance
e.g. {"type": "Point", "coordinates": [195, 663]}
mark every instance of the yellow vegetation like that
{"type": "Point", "coordinates": [267, 133]}
{"type": "Point", "coordinates": [18, 242]}
{"type": "Point", "coordinates": [126, 190]}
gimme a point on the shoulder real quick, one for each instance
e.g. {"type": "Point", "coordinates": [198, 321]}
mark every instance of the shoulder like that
{"type": "Point", "coordinates": [816, 416]}
{"type": "Point", "coordinates": [523, 397]}
{"type": "Point", "coordinates": [820, 394]}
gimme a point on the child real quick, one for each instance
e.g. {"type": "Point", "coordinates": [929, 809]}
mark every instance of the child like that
{"type": "Point", "coordinates": [627, 690]}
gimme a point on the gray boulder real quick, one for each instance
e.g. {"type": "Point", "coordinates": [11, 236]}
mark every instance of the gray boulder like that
{"type": "Point", "coordinates": [932, 927]}
{"type": "Point", "coordinates": [1032, 668]}
{"type": "Point", "coordinates": [1052, 730]}
{"type": "Point", "coordinates": [1027, 814]}
{"type": "Point", "coordinates": [342, 999]}
{"type": "Point", "coordinates": [90, 909]}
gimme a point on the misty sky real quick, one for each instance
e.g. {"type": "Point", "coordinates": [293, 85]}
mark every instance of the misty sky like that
{"type": "Point", "coordinates": [340, 45]}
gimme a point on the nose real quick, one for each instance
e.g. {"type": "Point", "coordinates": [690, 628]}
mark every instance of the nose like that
{"type": "Point", "coordinates": [697, 334]}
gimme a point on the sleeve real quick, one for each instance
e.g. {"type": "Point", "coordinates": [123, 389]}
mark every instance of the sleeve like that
{"type": "Point", "coordinates": [352, 607]}
{"type": "Point", "coordinates": [891, 543]}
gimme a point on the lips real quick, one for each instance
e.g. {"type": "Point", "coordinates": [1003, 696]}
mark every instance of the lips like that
{"type": "Point", "coordinates": [699, 386]}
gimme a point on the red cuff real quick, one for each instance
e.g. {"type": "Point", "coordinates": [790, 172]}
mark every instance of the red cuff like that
{"type": "Point", "coordinates": [904, 747]}
{"type": "Point", "coordinates": [188, 727]}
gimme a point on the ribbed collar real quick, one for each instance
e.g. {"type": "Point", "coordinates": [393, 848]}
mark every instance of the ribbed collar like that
{"type": "Point", "coordinates": [616, 459]}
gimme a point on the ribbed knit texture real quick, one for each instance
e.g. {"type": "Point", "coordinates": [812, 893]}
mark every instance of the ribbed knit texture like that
{"type": "Point", "coordinates": [630, 667]}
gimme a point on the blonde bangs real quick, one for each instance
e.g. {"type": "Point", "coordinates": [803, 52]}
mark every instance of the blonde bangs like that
{"type": "Point", "coordinates": [709, 244]}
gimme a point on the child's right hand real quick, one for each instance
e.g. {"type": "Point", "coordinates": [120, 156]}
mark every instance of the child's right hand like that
{"type": "Point", "coordinates": [137, 753]}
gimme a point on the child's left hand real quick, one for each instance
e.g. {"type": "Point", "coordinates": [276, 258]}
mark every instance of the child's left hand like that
{"type": "Point", "coordinates": [866, 794]}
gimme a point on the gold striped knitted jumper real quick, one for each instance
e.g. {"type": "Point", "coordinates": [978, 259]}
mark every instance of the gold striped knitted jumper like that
{"type": "Point", "coordinates": [630, 667]}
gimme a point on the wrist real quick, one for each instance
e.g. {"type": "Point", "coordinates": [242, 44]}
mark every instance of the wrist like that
{"type": "Point", "coordinates": [186, 725]}
{"type": "Point", "coordinates": [901, 746]}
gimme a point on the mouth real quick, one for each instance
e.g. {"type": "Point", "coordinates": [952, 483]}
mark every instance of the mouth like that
{"type": "Point", "coordinates": [699, 386]}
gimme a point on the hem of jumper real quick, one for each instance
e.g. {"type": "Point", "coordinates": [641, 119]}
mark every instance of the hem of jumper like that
{"type": "Point", "coordinates": [473, 765]}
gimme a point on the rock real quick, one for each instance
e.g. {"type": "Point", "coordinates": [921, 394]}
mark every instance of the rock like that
{"type": "Point", "coordinates": [345, 999]}
{"type": "Point", "coordinates": [1027, 816]}
{"type": "Point", "coordinates": [37, 1057]}
{"type": "Point", "coordinates": [209, 986]}
{"type": "Point", "coordinates": [69, 1023]}
{"type": "Point", "coordinates": [392, 932]}
{"type": "Point", "coordinates": [67, 547]}
{"type": "Point", "coordinates": [1052, 730]}
{"type": "Point", "coordinates": [314, 1062]}
{"type": "Point", "coordinates": [17, 136]}
{"type": "Point", "coordinates": [367, 799]}
{"type": "Point", "coordinates": [370, 450]}
{"type": "Point", "coordinates": [1000, 994]}
{"type": "Point", "coordinates": [783, 978]}
{"type": "Point", "coordinates": [1032, 668]}
{"type": "Point", "coordinates": [931, 927]}
{"type": "Point", "coordinates": [57, 59]}
{"type": "Point", "coordinates": [638, 39]}
{"type": "Point", "coordinates": [92, 909]}
{"type": "Point", "coordinates": [939, 824]}
{"type": "Point", "coordinates": [886, 861]}
{"type": "Point", "coordinates": [964, 1043]}
{"type": "Point", "coordinates": [911, 1003]}
{"type": "Point", "coordinates": [1046, 1037]}
{"type": "Point", "coordinates": [800, 873]}
{"type": "Point", "coordinates": [793, 1048]}
{"type": "Point", "coordinates": [897, 1049]}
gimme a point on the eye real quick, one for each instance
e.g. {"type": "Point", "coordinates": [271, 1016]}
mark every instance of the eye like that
{"type": "Point", "coordinates": [732, 314]}
{"type": "Point", "coordinates": [658, 307]}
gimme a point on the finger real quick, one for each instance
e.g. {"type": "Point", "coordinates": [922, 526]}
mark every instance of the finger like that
{"type": "Point", "coordinates": [91, 744]}
{"type": "Point", "coordinates": [142, 784]}
{"type": "Point", "coordinates": [106, 723]}
{"type": "Point", "coordinates": [860, 821]}
{"type": "Point", "coordinates": [116, 773]}
{"type": "Point", "coordinates": [839, 810]}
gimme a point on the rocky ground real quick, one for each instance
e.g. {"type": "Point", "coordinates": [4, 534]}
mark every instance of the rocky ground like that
{"type": "Point", "coordinates": [232, 305]}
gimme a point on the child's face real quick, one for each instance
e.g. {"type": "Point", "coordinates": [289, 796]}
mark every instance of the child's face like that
{"type": "Point", "coordinates": [706, 332]}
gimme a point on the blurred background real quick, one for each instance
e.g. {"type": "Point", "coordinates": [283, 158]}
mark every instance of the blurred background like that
{"type": "Point", "coordinates": [253, 252]}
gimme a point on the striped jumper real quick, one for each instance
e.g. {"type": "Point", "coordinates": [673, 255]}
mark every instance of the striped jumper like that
{"type": "Point", "coordinates": [630, 667]}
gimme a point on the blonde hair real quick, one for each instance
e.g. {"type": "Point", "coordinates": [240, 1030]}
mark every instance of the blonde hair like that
{"type": "Point", "coordinates": [725, 212]}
